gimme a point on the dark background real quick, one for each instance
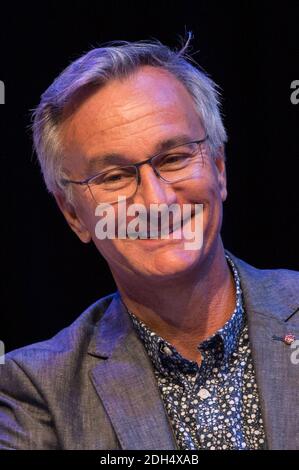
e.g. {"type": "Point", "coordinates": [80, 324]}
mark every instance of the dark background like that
{"type": "Point", "coordinates": [250, 48]}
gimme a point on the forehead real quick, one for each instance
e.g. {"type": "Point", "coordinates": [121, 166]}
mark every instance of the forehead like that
{"type": "Point", "coordinates": [148, 106]}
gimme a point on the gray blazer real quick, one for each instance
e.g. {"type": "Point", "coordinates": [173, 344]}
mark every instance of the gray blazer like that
{"type": "Point", "coordinates": [92, 386]}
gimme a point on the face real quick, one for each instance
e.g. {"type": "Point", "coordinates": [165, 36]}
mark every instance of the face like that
{"type": "Point", "coordinates": [131, 117]}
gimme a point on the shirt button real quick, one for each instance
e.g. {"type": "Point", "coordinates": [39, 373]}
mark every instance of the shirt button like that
{"type": "Point", "coordinates": [167, 351]}
{"type": "Point", "coordinates": [204, 393]}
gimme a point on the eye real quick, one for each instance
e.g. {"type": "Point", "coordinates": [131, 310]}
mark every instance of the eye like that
{"type": "Point", "coordinates": [114, 177]}
{"type": "Point", "coordinates": [173, 161]}
{"type": "Point", "coordinates": [173, 158]}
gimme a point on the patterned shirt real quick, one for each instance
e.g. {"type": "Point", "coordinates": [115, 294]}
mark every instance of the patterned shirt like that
{"type": "Point", "coordinates": [214, 405]}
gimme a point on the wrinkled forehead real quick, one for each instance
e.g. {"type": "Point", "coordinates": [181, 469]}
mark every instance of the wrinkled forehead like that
{"type": "Point", "coordinates": [148, 106]}
{"type": "Point", "coordinates": [131, 102]}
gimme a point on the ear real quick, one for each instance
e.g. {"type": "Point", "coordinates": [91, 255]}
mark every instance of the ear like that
{"type": "Point", "coordinates": [219, 160]}
{"type": "Point", "coordinates": [72, 217]}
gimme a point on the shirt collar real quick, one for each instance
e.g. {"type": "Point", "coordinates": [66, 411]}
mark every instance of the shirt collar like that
{"type": "Point", "coordinates": [224, 342]}
{"type": "Point", "coordinates": [230, 332]}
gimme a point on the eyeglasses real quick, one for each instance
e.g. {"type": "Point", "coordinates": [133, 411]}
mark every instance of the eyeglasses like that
{"type": "Point", "coordinates": [182, 162]}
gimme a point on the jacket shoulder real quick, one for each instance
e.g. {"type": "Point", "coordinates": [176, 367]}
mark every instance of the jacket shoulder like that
{"type": "Point", "coordinates": [287, 277]}
{"type": "Point", "coordinates": [73, 339]}
{"type": "Point", "coordinates": [273, 292]}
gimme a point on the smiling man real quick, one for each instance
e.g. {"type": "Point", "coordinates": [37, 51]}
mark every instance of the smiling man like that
{"type": "Point", "coordinates": [192, 351]}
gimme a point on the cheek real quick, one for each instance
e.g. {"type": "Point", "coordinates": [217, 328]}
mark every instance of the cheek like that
{"type": "Point", "coordinates": [207, 192]}
{"type": "Point", "coordinates": [204, 191]}
{"type": "Point", "coordinates": [124, 255]}
{"type": "Point", "coordinates": [114, 250]}
{"type": "Point", "coordinates": [213, 213]}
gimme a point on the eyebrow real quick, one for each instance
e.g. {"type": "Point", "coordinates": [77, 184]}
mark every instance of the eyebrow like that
{"type": "Point", "coordinates": [101, 162]}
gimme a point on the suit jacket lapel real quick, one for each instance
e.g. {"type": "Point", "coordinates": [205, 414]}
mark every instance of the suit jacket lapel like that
{"type": "Point", "coordinates": [269, 305]}
{"type": "Point", "coordinates": [125, 382]}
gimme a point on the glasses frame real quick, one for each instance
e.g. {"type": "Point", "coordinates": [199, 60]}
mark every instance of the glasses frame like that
{"type": "Point", "coordinates": [149, 161]}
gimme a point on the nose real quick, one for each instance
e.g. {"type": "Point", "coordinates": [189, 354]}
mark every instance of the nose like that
{"type": "Point", "coordinates": [152, 189]}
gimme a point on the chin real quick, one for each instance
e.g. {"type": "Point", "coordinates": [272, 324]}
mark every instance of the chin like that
{"type": "Point", "coordinates": [169, 264]}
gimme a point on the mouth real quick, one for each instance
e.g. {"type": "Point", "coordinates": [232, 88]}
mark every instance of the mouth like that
{"type": "Point", "coordinates": [164, 232]}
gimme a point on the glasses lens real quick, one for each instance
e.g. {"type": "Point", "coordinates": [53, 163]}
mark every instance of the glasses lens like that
{"type": "Point", "coordinates": [180, 163]}
{"type": "Point", "coordinates": [110, 185]}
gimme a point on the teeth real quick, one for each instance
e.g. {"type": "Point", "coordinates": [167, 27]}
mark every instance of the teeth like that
{"type": "Point", "coordinates": [164, 230]}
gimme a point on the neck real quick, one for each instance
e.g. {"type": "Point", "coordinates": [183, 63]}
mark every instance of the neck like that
{"type": "Point", "coordinates": [188, 311]}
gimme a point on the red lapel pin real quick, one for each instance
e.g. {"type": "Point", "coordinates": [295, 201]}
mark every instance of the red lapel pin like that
{"type": "Point", "coordinates": [287, 339]}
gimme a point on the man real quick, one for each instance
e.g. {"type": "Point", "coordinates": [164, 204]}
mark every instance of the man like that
{"type": "Point", "coordinates": [194, 351]}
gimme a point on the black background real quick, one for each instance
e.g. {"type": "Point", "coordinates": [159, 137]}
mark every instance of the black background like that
{"type": "Point", "coordinates": [250, 48]}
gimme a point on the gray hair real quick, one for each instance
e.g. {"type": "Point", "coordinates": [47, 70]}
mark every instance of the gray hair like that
{"type": "Point", "coordinates": [116, 60]}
